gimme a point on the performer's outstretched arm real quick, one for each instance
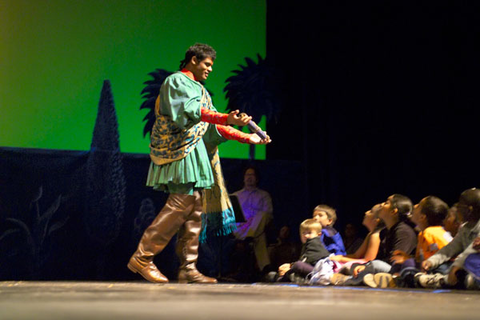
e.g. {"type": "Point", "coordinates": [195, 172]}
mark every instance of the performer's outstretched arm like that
{"type": "Point", "coordinates": [214, 117]}
{"type": "Point", "coordinates": [222, 120]}
{"type": "Point", "coordinates": [231, 133]}
{"type": "Point", "coordinates": [233, 118]}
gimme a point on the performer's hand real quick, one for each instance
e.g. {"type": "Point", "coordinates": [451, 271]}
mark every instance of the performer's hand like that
{"type": "Point", "coordinates": [255, 139]}
{"type": "Point", "coordinates": [238, 119]}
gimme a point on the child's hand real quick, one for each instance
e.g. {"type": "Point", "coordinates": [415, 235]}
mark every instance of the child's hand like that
{"type": "Point", "coordinates": [357, 270]}
{"type": "Point", "coordinates": [452, 276]}
{"type": "Point", "coordinates": [426, 265]}
{"type": "Point", "coordinates": [399, 257]}
{"type": "Point", "coordinates": [336, 258]}
{"type": "Point", "coordinates": [476, 244]}
{"type": "Point", "coordinates": [283, 269]}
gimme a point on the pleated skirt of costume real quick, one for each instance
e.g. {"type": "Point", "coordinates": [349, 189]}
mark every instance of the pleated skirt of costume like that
{"type": "Point", "coordinates": [194, 172]}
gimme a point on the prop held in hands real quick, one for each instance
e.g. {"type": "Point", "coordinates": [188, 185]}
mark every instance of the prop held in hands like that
{"type": "Point", "coordinates": [256, 129]}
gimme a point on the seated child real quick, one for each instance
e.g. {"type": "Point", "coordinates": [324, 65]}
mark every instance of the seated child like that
{"type": "Point", "coordinates": [472, 263]}
{"type": "Point", "coordinates": [312, 251]}
{"type": "Point", "coordinates": [367, 251]}
{"type": "Point", "coordinates": [331, 238]}
{"type": "Point", "coordinates": [284, 250]}
{"type": "Point", "coordinates": [351, 238]}
{"type": "Point", "coordinates": [428, 215]}
{"type": "Point", "coordinates": [398, 236]}
{"type": "Point", "coordinates": [369, 248]}
{"type": "Point", "coordinates": [453, 221]}
{"type": "Point", "coordinates": [459, 248]}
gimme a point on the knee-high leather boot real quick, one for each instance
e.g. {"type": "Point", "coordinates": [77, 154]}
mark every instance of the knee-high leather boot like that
{"type": "Point", "coordinates": [187, 246]}
{"type": "Point", "coordinates": [158, 234]}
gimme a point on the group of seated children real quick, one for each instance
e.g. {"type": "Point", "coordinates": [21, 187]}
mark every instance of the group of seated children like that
{"type": "Point", "coordinates": [425, 245]}
{"type": "Point", "coordinates": [319, 241]}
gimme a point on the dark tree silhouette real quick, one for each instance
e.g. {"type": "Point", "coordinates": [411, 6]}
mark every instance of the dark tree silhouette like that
{"type": "Point", "coordinates": [255, 90]}
{"type": "Point", "coordinates": [105, 186]}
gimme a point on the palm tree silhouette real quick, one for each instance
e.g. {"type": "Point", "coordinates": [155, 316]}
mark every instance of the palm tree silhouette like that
{"type": "Point", "coordinates": [150, 94]}
{"type": "Point", "coordinates": [255, 90]}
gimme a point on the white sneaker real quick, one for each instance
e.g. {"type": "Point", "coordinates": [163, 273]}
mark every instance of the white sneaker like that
{"type": "Point", "coordinates": [432, 281]}
{"type": "Point", "coordinates": [369, 280]}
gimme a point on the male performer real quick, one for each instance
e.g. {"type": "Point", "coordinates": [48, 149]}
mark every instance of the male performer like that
{"type": "Point", "coordinates": [184, 162]}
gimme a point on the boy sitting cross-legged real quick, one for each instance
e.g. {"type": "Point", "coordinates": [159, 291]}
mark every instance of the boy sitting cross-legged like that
{"type": "Point", "coordinates": [312, 251]}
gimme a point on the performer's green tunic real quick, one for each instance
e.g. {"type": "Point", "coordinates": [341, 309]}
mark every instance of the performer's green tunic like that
{"type": "Point", "coordinates": [180, 162]}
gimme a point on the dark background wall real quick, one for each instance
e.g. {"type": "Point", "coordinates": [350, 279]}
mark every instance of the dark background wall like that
{"type": "Point", "coordinates": [382, 97]}
{"type": "Point", "coordinates": [52, 228]}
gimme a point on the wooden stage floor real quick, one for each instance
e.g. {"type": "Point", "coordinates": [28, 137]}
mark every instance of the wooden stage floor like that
{"type": "Point", "coordinates": [142, 300]}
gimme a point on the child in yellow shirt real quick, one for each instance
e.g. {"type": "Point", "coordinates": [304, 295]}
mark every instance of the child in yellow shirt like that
{"type": "Point", "coordinates": [429, 215]}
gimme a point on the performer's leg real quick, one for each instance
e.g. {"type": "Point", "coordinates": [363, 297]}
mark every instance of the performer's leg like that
{"type": "Point", "coordinates": [187, 246]}
{"type": "Point", "coordinates": [158, 234]}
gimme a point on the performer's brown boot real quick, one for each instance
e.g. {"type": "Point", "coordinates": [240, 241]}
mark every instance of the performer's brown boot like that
{"type": "Point", "coordinates": [149, 272]}
{"type": "Point", "coordinates": [158, 234]}
{"type": "Point", "coordinates": [187, 247]}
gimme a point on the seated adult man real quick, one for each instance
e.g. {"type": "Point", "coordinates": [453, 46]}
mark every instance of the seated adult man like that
{"type": "Point", "coordinates": [257, 208]}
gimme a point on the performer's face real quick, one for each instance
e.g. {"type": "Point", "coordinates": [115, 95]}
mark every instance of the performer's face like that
{"type": "Point", "coordinates": [201, 69]}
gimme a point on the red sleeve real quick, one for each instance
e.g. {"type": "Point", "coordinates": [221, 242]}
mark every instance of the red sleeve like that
{"type": "Point", "coordinates": [213, 117]}
{"type": "Point", "coordinates": [231, 133]}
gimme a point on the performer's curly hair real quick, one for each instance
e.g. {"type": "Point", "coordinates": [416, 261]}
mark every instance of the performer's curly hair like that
{"type": "Point", "coordinates": [199, 50]}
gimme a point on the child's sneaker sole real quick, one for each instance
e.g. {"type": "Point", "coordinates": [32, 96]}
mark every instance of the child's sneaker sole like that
{"type": "Point", "coordinates": [369, 280]}
{"type": "Point", "coordinates": [338, 279]}
{"type": "Point", "coordinates": [384, 280]}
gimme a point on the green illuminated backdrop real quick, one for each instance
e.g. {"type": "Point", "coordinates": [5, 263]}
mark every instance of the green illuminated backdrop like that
{"type": "Point", "coordinates": [55, 54]}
